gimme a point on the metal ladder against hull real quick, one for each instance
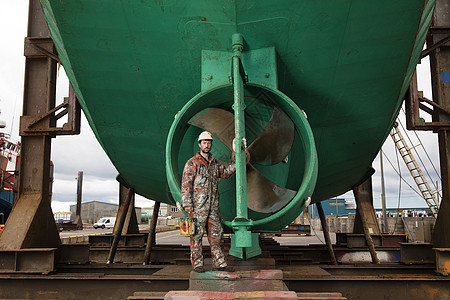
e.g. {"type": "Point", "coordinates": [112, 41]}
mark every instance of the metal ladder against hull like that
{"type": "Point", "coordinates": [416, 172]}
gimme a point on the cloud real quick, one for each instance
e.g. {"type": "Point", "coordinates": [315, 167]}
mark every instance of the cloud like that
{"type": "Point", "coordinates": [13, 19]}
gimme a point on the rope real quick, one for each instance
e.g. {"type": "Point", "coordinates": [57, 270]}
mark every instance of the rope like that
{"type": "Point", "coordinates": [309, 218]}
{"type": "Point", "coordinates": [399, 189]}
{"type": "Point", "coordinates": [399, 174]}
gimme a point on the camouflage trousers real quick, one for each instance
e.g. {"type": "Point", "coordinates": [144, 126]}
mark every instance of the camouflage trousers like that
{"type": "Point", "coordinates": [211, 221]}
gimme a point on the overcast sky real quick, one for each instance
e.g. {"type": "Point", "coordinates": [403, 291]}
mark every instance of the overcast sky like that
{"type": "Point", "coordinates": [71, 154]}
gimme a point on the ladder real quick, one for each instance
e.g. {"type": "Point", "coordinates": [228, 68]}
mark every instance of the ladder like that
{"type": "Point", "coordinates": [416, 173]}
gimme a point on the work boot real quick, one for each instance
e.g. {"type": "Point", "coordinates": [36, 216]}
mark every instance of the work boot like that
{"type": "Point", "coordinates": [225, 269]}
{"type": "Point", "coordinates": [199, 269]}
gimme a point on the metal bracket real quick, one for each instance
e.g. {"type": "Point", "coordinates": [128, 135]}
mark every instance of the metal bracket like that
{"type": "Point", "coordinates": [442, 261]}
{"type": "Point", "coordinates": [260, 63]}
{"type": "Point", "coordinates": [33, 125]}
{"type": "Point", "coordinates": [35, 260]}
{"type": "Point", "coordinates": [441, 42]}
{"type": "Point", "coordinates": [414, 102]}
{"type": "Point", "coordinates": [38, 47]}
{"type": "Point", "coordinates": [242, 72]}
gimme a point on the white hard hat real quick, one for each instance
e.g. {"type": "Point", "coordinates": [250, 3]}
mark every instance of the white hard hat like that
{"type": "Point", "coordinates": [205, 135]}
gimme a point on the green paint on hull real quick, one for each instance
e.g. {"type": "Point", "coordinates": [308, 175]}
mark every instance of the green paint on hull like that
{"type": "Point", "coordinates": [134, 64]}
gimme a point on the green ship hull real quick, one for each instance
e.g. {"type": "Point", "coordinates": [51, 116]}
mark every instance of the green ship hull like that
{"type": "Point", "coordinates": [135, 64]}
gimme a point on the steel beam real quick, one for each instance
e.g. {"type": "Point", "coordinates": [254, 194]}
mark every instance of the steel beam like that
{"type": "Point", "coordinates": [440, 70]}
{"type": "Point", "coordinates": [364, 197]}
{"type": "Point", "coordinates": [73, 254]}
{"type": "Point", "coordinates": [31, 223]}
{"type": "Point", "coordinates": [151, 240]}
{"type": "Point", "coordinates": [417, 253]}
{"type": "Point", "coordinates": [364, 205]}
{"type": "Point", "coordinates": [131, 223]}
{"type": "Point", "coordinates": [78, 221]}
{"type": "Point", "coordinates": [104, 284]}
{"type": "Point", "coordinates": [326, 233]}
{"type": "Point", "coordinates": [126, 240]}
{"type": "Point", "coordinates": [120, 223]}
{"type": "Point", "coordinates": [442, 260]}
{"type": "Point", "coordinates": [27, 260]}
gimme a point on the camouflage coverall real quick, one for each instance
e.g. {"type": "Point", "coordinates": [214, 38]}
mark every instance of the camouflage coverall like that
{"type": "Point", "coordinates": [199, 189]}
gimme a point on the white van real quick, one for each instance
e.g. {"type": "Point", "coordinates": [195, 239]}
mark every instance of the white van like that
{"type": "Point", "coordinates": [105, 222]}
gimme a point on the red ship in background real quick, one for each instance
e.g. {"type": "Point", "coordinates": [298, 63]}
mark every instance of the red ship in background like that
{"type": "Point", "coordinates": [9, 153]}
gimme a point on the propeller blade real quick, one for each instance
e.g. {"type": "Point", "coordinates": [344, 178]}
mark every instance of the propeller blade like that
{"type": "Point", "coordinates": [263, 195]}
{"type": "Point", "coordinates": [217, 121]}
{"type": "Point", "coordinates": [275, 142]}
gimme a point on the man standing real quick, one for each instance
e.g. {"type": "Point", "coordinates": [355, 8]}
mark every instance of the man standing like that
{"type": "Point", "coordinates": [200, 198]}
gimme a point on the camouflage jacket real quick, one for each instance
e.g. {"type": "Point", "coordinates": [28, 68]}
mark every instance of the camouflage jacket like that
{"type": "Point", "coordinates": [201, 177]}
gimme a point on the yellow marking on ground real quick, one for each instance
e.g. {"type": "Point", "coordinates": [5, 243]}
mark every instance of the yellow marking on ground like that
{"type": "Point", "coordinates": [82, 235]}
{"type": "Point", "coordinates": [167, 236]}
{"type": "Point", "coordinates": [104, 233]}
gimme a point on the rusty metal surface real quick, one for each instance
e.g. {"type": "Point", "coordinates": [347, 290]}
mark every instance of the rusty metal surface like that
{"type": "Point", "coordinates": [433, 47]}
{"type": "Point", "coordinates": [364, 193]}
{"type": "Point", "coordinates": [31, 223]}
{"type": "Point", "coordinates": [118, 281]}
{"type": "Point", "coordinates": [284, 255]}
{"type": "Point", "coordinates": [121, 280]}
{"type": "Point", "coordinates": [326, 234]}
{"type": "Point", "coordinates": [36, 125]}
{"type": "Point", "coordinates": [417, 253]}
{"type": "Point", "coordinates": [120, 224]}
{"type": "Point", "coordinates": [73, 253]}
{"type": "Point", "coordinates": [27, 260]}
{"type": "Point", "coordinates": [126, 240]}
{"type": "Point", "coordinates": [393, 240]}
{"type": "Point", "coordinates": [366, 213]}
{"type": "Point", "coordinates": [367, 269]}
{"type": "Point", "coordinates": [116, 269]}
{"type": "Point", "coordinates": [147, 295]}
{"type": "Point", "coordinates": [131, 223]}
{"type": "Point", "coordinates": [443, 261]}
{"type": "Point", "coordinates": [151, 239]}
{"type": "Point", "coordinates": [40, 47]}
{"type": "Point", "coordinates": [78, 220]}
{"type": "Point", "coordinates": [376, 287]}
{"type": "Point", "coordinates": [414, 100]}
{"type": "Point", "coordinates": [440, 64]}
{"type": "Point", "coordinates": [85, 286]}
{"type": "Point", "coordinates": [359, 240]}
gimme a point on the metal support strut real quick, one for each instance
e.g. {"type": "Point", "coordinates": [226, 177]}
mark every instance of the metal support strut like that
{"type": "Point", "coordinates": [131, 223]}
{"type": "Point", "coordinates": [78, 220]}
{"type": "Point", "coordinates": [118, 229]}
{"type": "Point", "coordinates": [151, 234]}
{"type": "Point", "coordinates": [31, 223]}
{"type": "Point", "coordinates": [326, 233]}
{"type": "Point", "coordinates": [365, 211]}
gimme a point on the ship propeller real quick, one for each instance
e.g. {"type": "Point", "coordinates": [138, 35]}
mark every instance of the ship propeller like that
{"type": "Point", "coordinates": [271, 147]}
